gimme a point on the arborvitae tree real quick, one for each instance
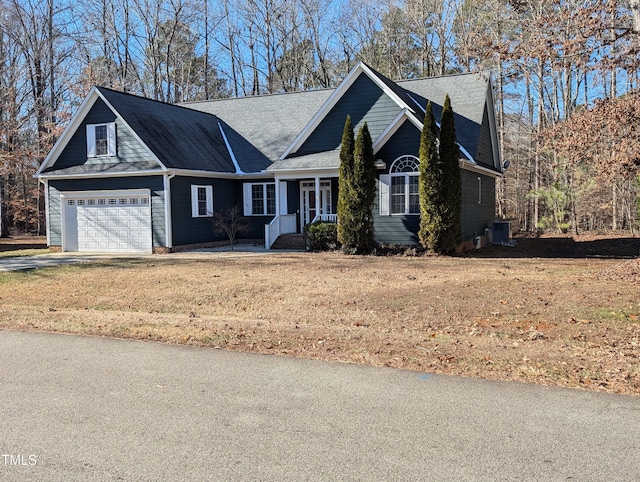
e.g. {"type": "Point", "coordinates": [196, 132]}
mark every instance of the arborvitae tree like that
{"type": "Point", "coordinates": [430, 185]}
{"type": "Point", "coordinates": [451, 181]}
{"type": "Point", "coordinates": [345, 187]}
{"type": "Point", "coordinates": [364, 190]}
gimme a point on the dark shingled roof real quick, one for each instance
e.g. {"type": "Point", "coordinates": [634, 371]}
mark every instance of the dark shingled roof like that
{"type": "Point", "coordinates": [270, 123]}
{"type": "Point", "coordinates": [468, 94]}
{"type": "Point", "coordinates": [260, 129]}
{"type": "Point", "coordinates": [180, 138]}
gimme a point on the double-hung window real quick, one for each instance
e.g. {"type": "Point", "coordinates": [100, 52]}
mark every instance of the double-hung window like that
{"type": "Point", "coordinates": [259, 199]}
{"type": "Point", "coordinates": [399, 189]}
{"type": "Point", "coordinates": [101, 140]}
{"type": "Point", "coordinates": [201, 201]}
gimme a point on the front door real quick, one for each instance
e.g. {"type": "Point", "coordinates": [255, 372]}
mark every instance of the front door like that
{"type": "Point", "coordinates": [309, 203]}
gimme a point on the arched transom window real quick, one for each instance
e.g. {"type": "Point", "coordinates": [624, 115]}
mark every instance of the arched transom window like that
{"type": "Point", "coordinates": [404, 173]}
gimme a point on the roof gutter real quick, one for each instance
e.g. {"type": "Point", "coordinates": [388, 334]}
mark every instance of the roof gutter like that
{"type": "Point", "coordinates": [473, 167]}
{"type": "Point", "coordinates": [100, 174]}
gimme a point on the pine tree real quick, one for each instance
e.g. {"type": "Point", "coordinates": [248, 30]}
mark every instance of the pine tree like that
{"type": "Point", "coordinates": [345, 187]}
{"type": "Point", "coordinates": [451, 181]}
{"type": "Point", "coordinates": [364, 190]}
{"type": "Point", "coordinates": [430, 185]}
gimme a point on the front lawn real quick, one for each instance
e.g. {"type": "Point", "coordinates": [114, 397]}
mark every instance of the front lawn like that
{"type": "Point", "coordinates": [555, 321]}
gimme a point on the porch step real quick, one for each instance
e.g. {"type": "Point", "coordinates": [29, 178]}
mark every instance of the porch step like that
{"type": "Point", "coordinates": [290, 241]}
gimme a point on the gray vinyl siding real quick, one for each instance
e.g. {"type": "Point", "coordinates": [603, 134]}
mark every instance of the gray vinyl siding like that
{"type": "Point", "coordinates": [484, 154]}
{"type": "Point", "coordinates": [364, 100]}
{"type": "Point", "coordinates": [403, 229]}
{"type": "Point", "coordinates": [396, 228]}
{"type": "Point", "coordinates": [186, 228]}
{"type": "Point", "coordinates": [405, 142]}
{"type": "Point", "coordinates": [227, 193]}
{"type": "Point", "coordinates": [154, 183]}
{"type": "Point", "coordinates": [293, 197]}
{"type": "Point", "coordinates": [256, 223]}
{"type": "Point", "coordinates": [476, 217]}
{"type": "Point", "coordinates": [128, 147]}
{"type": "Point", "coordinates": [293, 201]}
{"type": "Point", "coordinates": [334, 195]}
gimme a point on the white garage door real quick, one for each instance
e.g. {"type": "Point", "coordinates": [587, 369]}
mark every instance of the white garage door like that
{"type": "Point", "coordinates": [107, 223]}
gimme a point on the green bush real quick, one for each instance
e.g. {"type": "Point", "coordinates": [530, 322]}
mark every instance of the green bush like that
{"type": "Point", "coordinates": [321, 236]}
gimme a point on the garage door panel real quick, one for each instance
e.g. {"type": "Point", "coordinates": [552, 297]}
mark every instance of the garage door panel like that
{"type": "Point", "coordinates": [108, 224]}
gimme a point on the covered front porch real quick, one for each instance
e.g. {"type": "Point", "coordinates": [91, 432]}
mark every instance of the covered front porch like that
{"type": "Point", "coordinates": [301, 201]}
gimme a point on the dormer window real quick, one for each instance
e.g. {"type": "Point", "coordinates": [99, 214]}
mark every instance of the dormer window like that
{"type": "Point", "coordinates": [101, 140]}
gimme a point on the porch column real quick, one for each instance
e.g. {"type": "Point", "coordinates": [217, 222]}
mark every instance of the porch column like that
{"type": "Point", "coordinates": [277, 197]}
{"type": "Point", "coordinates": [318, 203]}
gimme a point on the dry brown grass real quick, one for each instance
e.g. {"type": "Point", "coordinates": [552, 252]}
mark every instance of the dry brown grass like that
{"type": "Point", "coordinates": [553, 321]}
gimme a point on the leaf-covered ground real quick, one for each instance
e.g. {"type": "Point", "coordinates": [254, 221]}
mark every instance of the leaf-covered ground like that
{"type": "Point", "coordinates": [550, 311]}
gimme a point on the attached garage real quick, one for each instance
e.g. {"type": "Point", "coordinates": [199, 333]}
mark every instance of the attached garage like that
{"type": "Point", "coordinates": [107, 221]}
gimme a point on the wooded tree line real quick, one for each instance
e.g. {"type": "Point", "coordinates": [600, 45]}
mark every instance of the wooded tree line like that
{"type": "Point", "coordinates": [565, 75]}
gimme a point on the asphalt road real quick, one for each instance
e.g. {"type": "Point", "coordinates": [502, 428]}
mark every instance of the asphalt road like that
{"type": "Point", "coordinates": [78, 408]}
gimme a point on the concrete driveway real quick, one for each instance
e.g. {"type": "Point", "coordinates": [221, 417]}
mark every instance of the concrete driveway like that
{"type": "Point", "coordinates": [79, 408]}
{"type": "Point", "coordinates": [19, 263]}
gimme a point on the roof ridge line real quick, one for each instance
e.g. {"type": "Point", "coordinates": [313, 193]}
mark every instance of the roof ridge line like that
{"type": "Point", "coordinates": [148, 99]}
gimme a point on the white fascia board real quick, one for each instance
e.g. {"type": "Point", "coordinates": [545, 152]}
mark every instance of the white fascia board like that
{"type": "Point", "coordinates": [493, 127]}
{"type": "Point", "coordinates": [95, 175]}
{"type": "Point", "coordinates": [75, 123]}
{"type": "Point", "coordinates": [177, 172]}
{"type": "Point", "coordinates": [68, 132]}
{"type": "Point", "coordinates": [393, 127]}
{"type": "Point", "coordinates": [304, 173]}
{"type": "Point", "coordinates": [333, 100]}
{"type": "Point", "coordinates": [233, 156]}
{"type": "Point", "coordinates": [385, 88]}
{"type": "Point", "coordinates": [473, 167]}
{"type": "Point", "coordinates": [135, 134]}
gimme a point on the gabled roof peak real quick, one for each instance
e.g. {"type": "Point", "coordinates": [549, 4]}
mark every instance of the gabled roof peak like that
{"type": "Point", "coordinates": [391, 89]}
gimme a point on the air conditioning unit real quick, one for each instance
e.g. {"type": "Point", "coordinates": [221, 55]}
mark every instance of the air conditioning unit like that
{"type": "Point", "coordinates": [502, 232]}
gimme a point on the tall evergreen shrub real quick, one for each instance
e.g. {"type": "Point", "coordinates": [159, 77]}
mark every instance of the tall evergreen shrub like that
{"type": "Point", "coordinates": [451, 181]}
{"type": "Point", "coordinates": [430, 185]}
{"type": "Point", "coordinates": [364, 191]}
{"type": "Point", "coordinates": [346, 235]}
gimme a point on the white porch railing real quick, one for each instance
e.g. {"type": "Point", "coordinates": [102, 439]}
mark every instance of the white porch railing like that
{"type": "Point", "coordinates": [327, 218]}
{"type": "Point", "coordinates": [281, 224]}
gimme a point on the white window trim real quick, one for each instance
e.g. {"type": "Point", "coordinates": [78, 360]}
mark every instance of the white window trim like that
{"type": "Point", "coordinates": [195, 211]}
{"type": "Point", "coordinates": [111, 139]}
{"type": "Point", "coordinates": [407, 194]}
{"type": "Point", "coordinates": [386, 183]}
{"type": "Point", "coordinates": [247, 189]}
